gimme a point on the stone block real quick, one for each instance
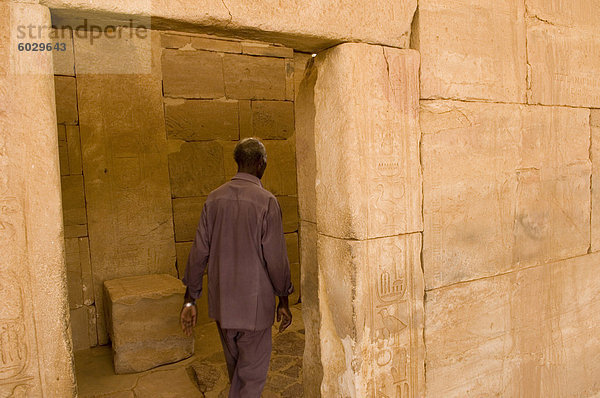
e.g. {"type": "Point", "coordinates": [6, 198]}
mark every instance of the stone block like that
{"type": "Point", "coordinates": [73, 198]}
{"type": "Point", "coordinates": [79, 328]}
{"type": "Point", "coordinates": [245, 107]}
{"type": "Point", "coordinates": [198, 120]}
{"type": "Point", "coordinates": [143, 322]}
{"type": "Point", "coordinates": [87, 282]}
{"type": "Point", "coordinates": [196, 169]}
{"type": "Point", "coordinates": [168, 40]}
{"type": "Point", "coordinates": [528, 333]}
{"type": "Point", "coordinates": [280, 175]}
{"type": "Point", "coordinates": [62, 132]}
{"type": "Point", "coordinates": [63, 58]}
{"type": "Point", "coordinates": [371, 295]}
{"type": "Point", "coordinates": [289, 211]}
{"type": "Point", "coordinates": [183, 252]}
{"type": "Point", "coordinates": [192, 74]}
{"type": "Point", "coordinates": [249, 77]}
{"type": "Point", "coordinates": [63, 158]}
{"type": "Point", "coordinates": [300, 62]}
{"type": "Point", "coordinates": [186, 215]}
{"type": "Point", "coordinates": [74, 149]}
{"type": "Point", "coordinates": [472, 49]}
{"type": "Point", "coordinates": [66, 99]}
{"type": "Point", "coordinates": [291, 242]}
{"type": "Point", "coordinates": [564, 63]}
{"type": "Point", "coordinates": [76, 231]}
{"type": "Point", "coordinates": [370, 185]}
{"type": "Point", "coordinates": [268, 50]}
{"type": "Point", "coordinates": [229, 163]}
{"type": "Point", "coordinates": [272, 120]}
{"type": "Point", "coordinates": [210, 44]}
{"type": "Point", "coordinates": [125, 163]}
{"type": "Point", "coordinates": [505, 186]}
{"type": "Point", "coordinates": [289, 79]}
{"type": "Point", "coordinates": [595, 157]}
{"type": "Point", "coordinates": [74, 279]}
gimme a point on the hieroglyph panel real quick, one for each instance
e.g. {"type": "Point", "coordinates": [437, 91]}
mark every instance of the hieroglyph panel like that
{"type": "Point", "coordinates": [505, 186]}
{"type": "Point", "coordinates": [371, 304]}
{"type": "Point", "coordinates": [126, 172]}
{"type": "Point", "coordinates": [367, 141]}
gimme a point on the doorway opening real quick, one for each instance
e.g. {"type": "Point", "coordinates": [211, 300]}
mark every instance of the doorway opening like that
{"type": "Point", "coordinates": [138, 155]}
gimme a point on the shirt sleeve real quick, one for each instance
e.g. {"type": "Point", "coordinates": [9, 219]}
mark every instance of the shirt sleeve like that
{"type": "Point", "coordinates": [275, 251]}
{"type": "Point", "coordinates": [198, 258]}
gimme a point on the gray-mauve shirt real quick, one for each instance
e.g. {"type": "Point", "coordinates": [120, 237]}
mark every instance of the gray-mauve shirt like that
{"type": "Point", "coordinates": [240, 238]}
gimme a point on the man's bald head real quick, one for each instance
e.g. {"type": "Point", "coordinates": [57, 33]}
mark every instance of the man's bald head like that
{"type": "Point", "coordinates": [251, 156]}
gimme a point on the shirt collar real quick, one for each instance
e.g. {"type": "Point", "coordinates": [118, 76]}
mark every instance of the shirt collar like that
{"type": "Point", "coordinates": [247, 177]}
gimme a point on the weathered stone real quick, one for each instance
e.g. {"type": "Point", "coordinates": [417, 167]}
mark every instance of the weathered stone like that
{"type": "Point", "coordinates": [564, 62]}
{"type": "Point", "coordinates": [66, 99]}
{"type": "Point", "coordinates": [128, 196]}
{"type": "Point", "coordinates": [248, 77]}
{"type": "Point", "coordinates": [577, 13]}
{"type": "Point", "coordinates": [291, 241]}
{"type": "Point", "coordinates": [293, 391]}
{"type": "Point", "coordinates": [267, 50]}
{"type": "Point", "coordinates": [527, 333]}
{"type": "Point", "coordinates": [192, 74]}
{"type": "Point", "coordinates": [369, 186]}
{"type": "Point", "coordinates": [167, 384]}
{"type": "Point", "coordinates": [289, 79]}
{"type": "Point", "coordinates": [35, 348]}
{"type": "Point", "coordinates": [505, 186]}
{"type": "Point", "coordinates": [186, 214]}
{"type": "Point", "coordinates": [197, 120]}
{"type": "Point", "coordinates": [472, 50]}
{"type": "Point", "coordinates": [174, 41]}
{"type": "Point", "coordinates": [595, 158]}
{"type": "Point", "coordinates": [74, 150]}
{"type": "Point", "coordinates": [210, 44]}
{"type": "Point", "coordinates": [143, 322]}
{"type": "Point", "coordinates": [308, 26]}
{"type": "Point", "coordinates": [197, 169]}
{"type": "Point", "coordinates": [73, 200]}
{"type": "Point", "coordinates": [228, 162]}
{"type": "Point", "coordinates": [87, 282]}
{"type": "Point", "coordinates": [272, 120]}
{"type": "Point", "coordinates": [62, 56]}
{"type": "Point", "coordinates": [74, 280]}
{"type": "Point", "coordinates": [245, 111]}
{"type": "Point", "coordinates": [280, 175]}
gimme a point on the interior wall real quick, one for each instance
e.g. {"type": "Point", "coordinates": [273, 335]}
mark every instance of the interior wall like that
{"type": "Point", "coordinates": [139, 152]}
{"type": "Point", "coordinates": [510, 203]}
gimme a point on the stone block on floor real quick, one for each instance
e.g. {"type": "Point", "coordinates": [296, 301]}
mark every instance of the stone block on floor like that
{"type": "Point", "coordinates": [142, 314]}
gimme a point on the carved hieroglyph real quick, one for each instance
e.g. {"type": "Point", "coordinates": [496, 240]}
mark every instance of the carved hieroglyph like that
{"type": "Point", "coordinates": [505, 186]}
{"type": "Point", "coordinates": [34, 335]}
{"type": "Point", "coordinates": [125, 165]}
{"type": "Point", "coordinates": [358, 108]}
{"type": "Point", "coordinates": [529, 333]}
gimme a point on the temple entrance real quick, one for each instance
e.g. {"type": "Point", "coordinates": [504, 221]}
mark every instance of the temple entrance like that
{"type": "Point", "coordinates": [140, 148]}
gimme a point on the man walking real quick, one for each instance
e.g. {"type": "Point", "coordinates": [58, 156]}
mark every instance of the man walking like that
{"type": "Point", "coordinates": [240, 238]}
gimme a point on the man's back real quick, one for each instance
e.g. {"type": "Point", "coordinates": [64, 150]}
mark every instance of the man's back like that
{"type": "Point", "coordinates": [241, 233]}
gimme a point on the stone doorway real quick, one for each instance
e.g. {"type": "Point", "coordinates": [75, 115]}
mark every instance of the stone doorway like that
{"type": "Point", "coordinates": [139, 152]}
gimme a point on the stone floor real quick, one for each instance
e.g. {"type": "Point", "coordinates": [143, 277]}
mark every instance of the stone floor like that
{"type": "Point", "coordinates": [202, 375]}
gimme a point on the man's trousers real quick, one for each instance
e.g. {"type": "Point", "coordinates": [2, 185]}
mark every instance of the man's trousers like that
{"type": "Point", "coordinates": [247, 354]}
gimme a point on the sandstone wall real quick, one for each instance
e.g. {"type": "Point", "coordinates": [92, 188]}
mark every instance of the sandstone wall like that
{"type": "Point", "coordinates": [509, 172]}
{"type": "Point", "coordinates": [142, 146]}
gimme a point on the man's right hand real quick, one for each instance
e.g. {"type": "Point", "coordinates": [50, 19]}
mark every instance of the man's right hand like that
{"type": "Point", "coordinates": [284, 314]}
{"type": "Point", "coordinates": [188, 318]}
